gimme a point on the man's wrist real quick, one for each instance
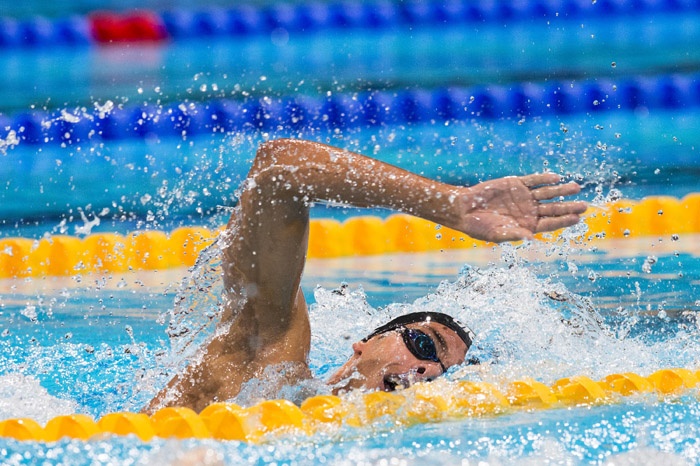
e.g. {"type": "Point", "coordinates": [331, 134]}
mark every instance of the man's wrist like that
{"type": "Point", "coordinates": [452, 204]}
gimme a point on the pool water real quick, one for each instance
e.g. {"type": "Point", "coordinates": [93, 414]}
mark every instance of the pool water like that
{"type": "Point", "coordinates": [144, 184]}
{"type": "Point", "coordinates": [143, 187]}
{"type": "Point", "coordinates": [97, 344]}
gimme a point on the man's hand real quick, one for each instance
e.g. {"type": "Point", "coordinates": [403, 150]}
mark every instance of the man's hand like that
{"type": "Point", "coordinates": [511, 208]}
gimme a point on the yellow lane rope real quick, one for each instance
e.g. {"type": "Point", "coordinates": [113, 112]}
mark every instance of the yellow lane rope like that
{"type": "Point", "coordinates": [360, 236]}
{"type": "Point", "coordinates": [425, 402]}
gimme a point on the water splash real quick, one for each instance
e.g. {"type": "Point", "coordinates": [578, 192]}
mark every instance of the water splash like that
{"type": "Point", "coordinates": [10, 141]}
{"type": "Point", "coordinates": [526, 326]}
{"type": "Point", "coordinates": [23, 396]}
{"type": "Point", "coordinates": [197, 309]}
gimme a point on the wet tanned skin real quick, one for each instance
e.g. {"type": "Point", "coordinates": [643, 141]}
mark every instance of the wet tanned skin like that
{"type": "Point", "coordinates": [385, 363]}
{"type": "Point", "coordinates": [266, 321]}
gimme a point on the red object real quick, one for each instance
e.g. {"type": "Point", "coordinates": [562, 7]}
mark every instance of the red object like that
{"type": "Point", "coordinates": [142, 26]}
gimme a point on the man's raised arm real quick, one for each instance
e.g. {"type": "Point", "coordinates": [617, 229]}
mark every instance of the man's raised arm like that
{"type": "Point", "coordinates": [266, 242]}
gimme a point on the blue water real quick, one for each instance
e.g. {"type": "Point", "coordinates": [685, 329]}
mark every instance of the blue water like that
{"type": "Point", "coordinates": [193, 182]}
{"type": "Point", "coordinates": [125, 316]}
{"type": "Point", "coordinates": [160, 183]}
{"type": "Point", "coordinates": [352, 60]}
{"type": "Point", "coordinates": [95, 343]}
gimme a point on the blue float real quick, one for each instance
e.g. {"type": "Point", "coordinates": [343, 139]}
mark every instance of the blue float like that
{"type": "Point", "coordinates": [367, 109]}
{"type": "Point", "coordinates": [250, 20]}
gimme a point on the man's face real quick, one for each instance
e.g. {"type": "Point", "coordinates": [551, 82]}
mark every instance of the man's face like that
{"type": "Point", "coordinates": [385, 361]}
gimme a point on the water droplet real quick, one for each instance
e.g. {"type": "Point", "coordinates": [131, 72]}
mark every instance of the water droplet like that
{"type": "Point", "coordinates": [674, 237]}
{"type": "Point", "coordinates": [648, 263]}
{"type": "Point", "coordinates": [613, 64]}
{"type": "Point", "coordinates": [30, 312]}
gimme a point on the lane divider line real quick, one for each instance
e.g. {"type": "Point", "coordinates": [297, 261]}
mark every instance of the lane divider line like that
{"type": "Point", "coordinates": [358, 236]}
{"type": "Point", "coordinates": [436, 401]}
{"type": "Point", "coordinates": [354, 110]}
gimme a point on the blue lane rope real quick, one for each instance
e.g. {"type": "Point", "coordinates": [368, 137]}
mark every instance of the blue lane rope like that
{"type": "Point", "coordinates": [371, 109]}
{"type": "Point", "coordinates": [43, 32]}
{"type": "Point", "coordinates": [318, 16]}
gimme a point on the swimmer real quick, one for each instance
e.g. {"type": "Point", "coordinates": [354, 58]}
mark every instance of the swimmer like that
{"type": "Point", "coordinates": [266, 320]}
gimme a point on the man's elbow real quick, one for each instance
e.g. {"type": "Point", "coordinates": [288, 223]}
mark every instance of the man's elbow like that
{"type": "Point", "coordinates": [271, 153]}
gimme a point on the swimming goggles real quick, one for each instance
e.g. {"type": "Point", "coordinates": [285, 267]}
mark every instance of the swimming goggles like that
{"type": "Point", "coordinates": [420, 345]}
{"type": "Point", "coordinates": [460, 329]}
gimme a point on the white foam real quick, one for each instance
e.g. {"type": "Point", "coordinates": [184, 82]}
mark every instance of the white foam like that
{"type": "Point", "coordinates": [22, 396]}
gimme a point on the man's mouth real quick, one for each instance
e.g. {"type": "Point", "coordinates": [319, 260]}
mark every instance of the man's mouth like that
{"type": "Point", "coordinates": [393, 382]}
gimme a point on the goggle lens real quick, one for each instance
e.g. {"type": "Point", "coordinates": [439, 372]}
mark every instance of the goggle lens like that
{"type": "Point", "coordinates": [421, 345]}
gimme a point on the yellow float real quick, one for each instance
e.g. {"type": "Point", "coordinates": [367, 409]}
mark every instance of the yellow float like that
{"type": "Point", "coordinates": [358, 236]}
{"type": "Point", "coordinates": [421, 403]}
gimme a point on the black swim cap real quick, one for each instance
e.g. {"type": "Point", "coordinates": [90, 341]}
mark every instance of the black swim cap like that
{"type": "Point", "coordinates": [420, 317]}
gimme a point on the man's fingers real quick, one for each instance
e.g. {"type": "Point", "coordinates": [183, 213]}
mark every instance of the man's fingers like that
{"type": "Point", "coordinates": [550, 192]}
{"type": "Point", "coordinates": [544, 192]}
{"type": "Point", "coordinates": [539, 179]}
{"type": "Point", "coordinates": [512, 233]}
{"type": "Point", "coordinates": [556, 209]}
{"type": "Point", "coordinates": [555, 223]}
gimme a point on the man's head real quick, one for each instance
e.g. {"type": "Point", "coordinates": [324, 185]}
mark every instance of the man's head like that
{"type": "Point", "coordinates": [414, 347]}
